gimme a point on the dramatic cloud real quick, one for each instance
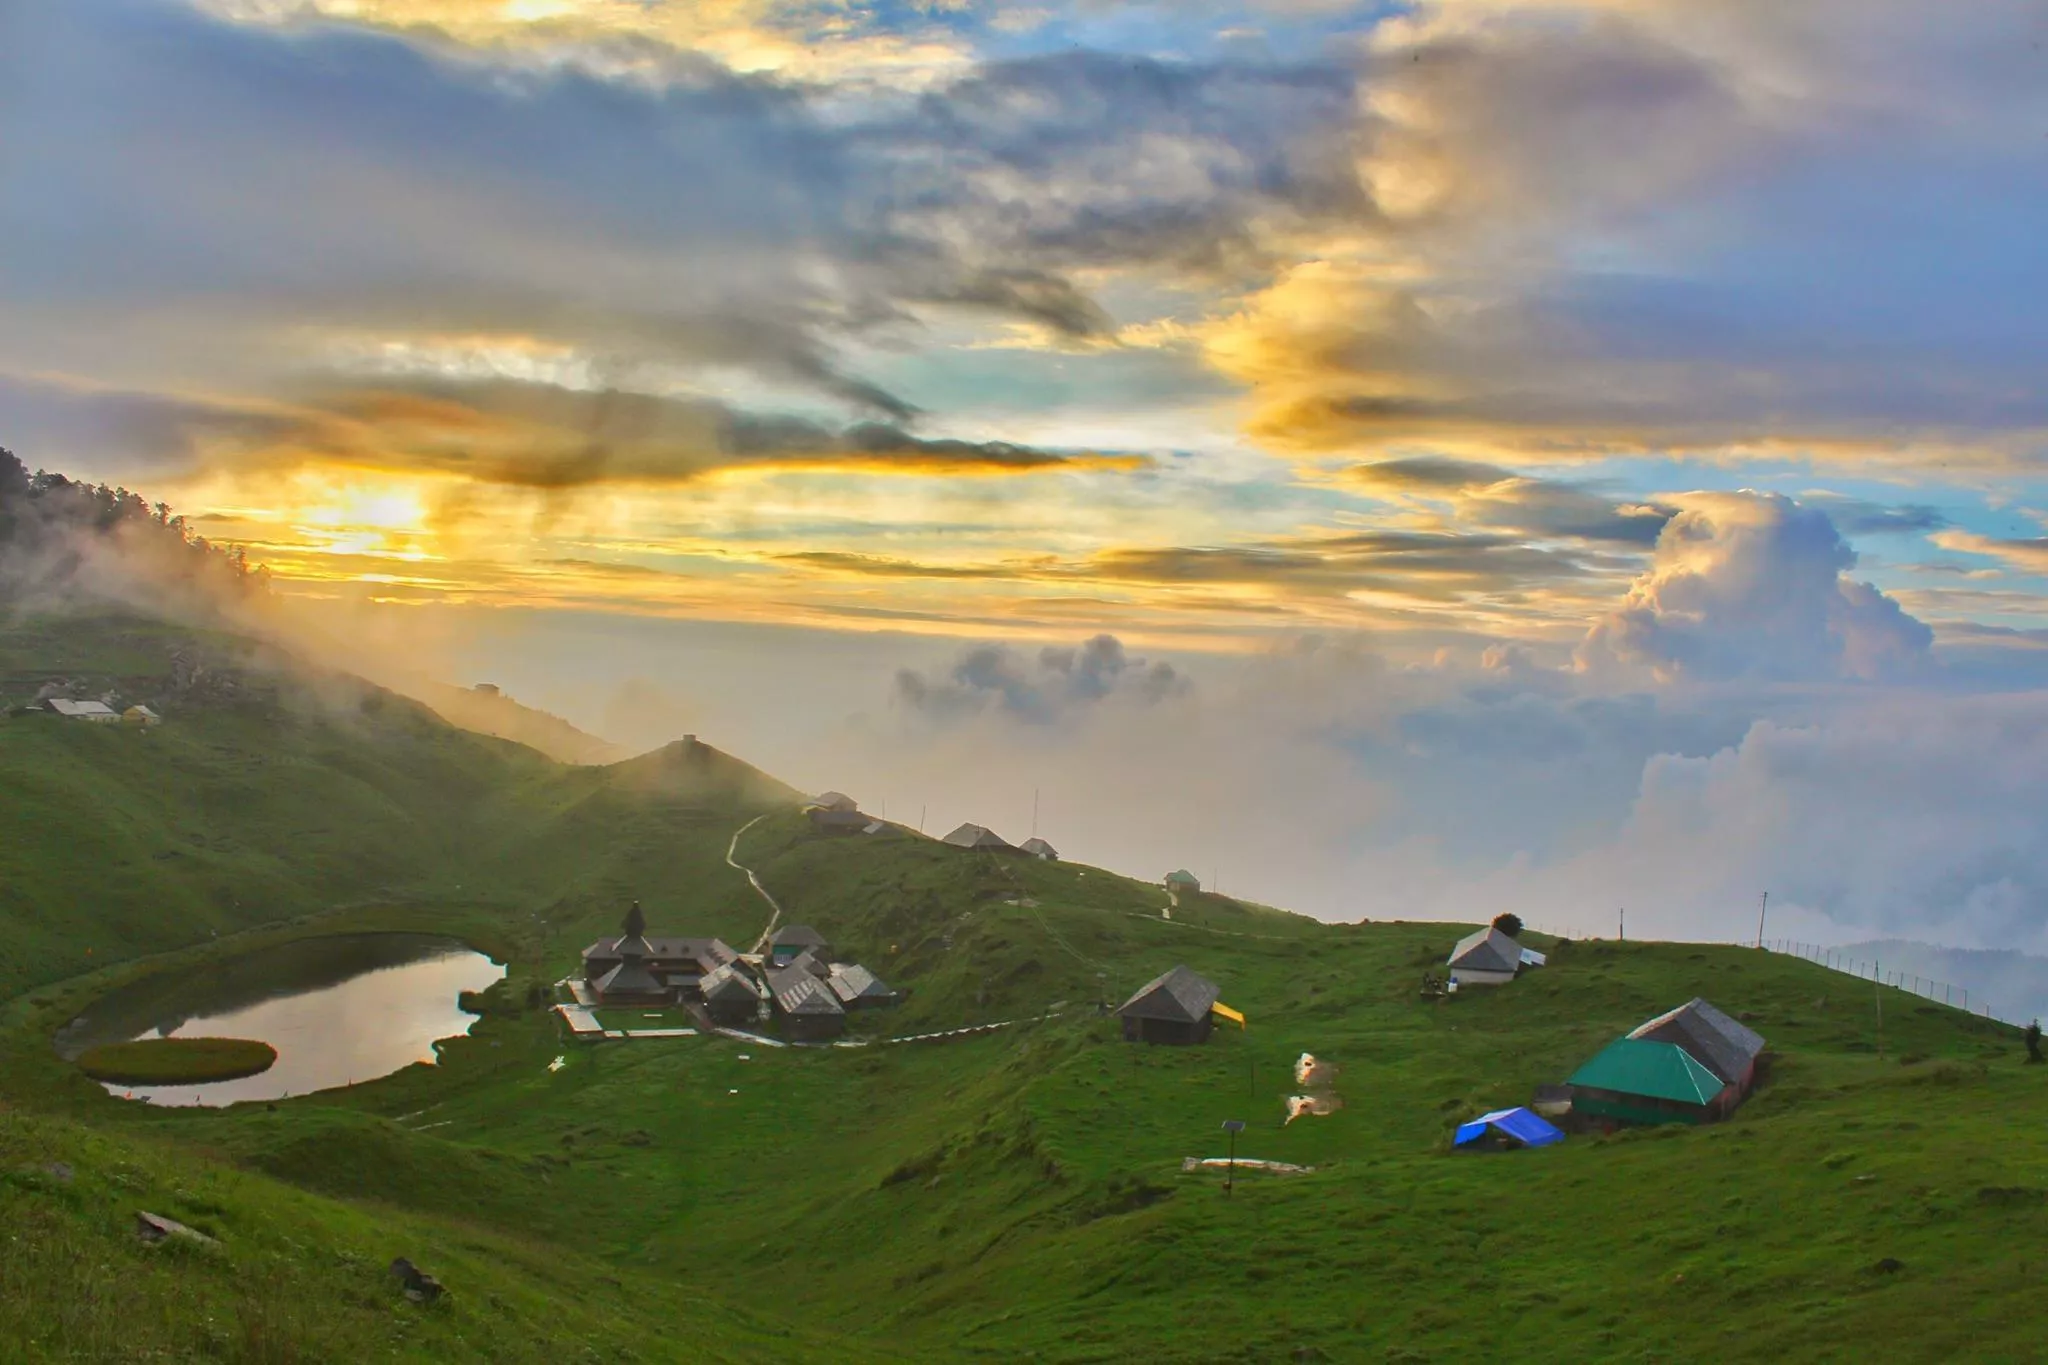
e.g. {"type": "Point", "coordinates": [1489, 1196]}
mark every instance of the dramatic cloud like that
{"type": "Point", "coordinates": [1040, 690]}
{"type": "Point", "coordinates": [1926, 815]}
{"type": "Point", "coordinates": [1486, 495]}
{"type": "Point", "coordinates": [1642, 227]}
{"type": "Point", "coordinates": [1750, 585]}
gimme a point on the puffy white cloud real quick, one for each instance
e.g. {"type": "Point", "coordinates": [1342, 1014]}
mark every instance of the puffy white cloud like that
{"type": "Point", "coordinates": [1753, 585]}
{"type": "Point", "coordinates": [1925, 817]}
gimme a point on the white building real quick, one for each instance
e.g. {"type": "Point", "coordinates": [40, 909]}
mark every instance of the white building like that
{"type": "Point", "coordinates": [97, 711]}
{"type": "Point", "coordinates": [1485, 957]}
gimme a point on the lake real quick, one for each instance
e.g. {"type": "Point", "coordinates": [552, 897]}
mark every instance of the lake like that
{"type": "Point", "coordinates": [338, 1009]}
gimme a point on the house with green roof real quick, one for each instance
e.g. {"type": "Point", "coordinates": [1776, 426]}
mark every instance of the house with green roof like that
{"type": "Point", "coordinates": [1636, 1080]}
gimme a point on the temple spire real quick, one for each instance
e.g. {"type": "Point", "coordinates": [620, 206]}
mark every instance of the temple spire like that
{"type": "Point", "coordinates": [636, 922]}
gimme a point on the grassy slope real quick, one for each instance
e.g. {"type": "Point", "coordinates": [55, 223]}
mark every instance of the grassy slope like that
{"type": "Point", "coordinates": [290, 797]}
{"type": "Point", "coordinates": [1019, 1195]}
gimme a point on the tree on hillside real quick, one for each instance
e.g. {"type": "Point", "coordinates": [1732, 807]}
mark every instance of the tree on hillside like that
{"type": "Point", "coordinates": [1509, 923]}
{"type": "Point", "coordinates": [64, 537]}
{"type": "Point", "coordinates": [2034, 1041]}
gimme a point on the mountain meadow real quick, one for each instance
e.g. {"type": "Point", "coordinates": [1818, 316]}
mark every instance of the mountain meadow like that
{"type": "Point", "coordinates": [1017, 1193]}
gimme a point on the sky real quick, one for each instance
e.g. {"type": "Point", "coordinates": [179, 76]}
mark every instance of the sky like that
{"type": "Point", "coordinates": [1398, 459]}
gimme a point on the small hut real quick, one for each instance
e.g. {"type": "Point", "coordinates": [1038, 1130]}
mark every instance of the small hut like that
{"type": "Point", "coordinates": [979, 837]}
{"type": "Point", "coordinates": [1173, 1007]}
{"type": "Point", "coordinates": [810, 1012]}
{"type": "Point", "coordinates": [1485, 957]}
{"type": "Point", "coordinates": [839, 801]}
{"type": "Point", "coordinates": [857, 987]}
{"type": "Point", "coordinates": [792, 941]}
{"type": "Point", "coordinates": [1040, 849]}
{"type": "Point", "coordinates": [729, 997]}
{"type": "Point", "coordinates": [1727, 1048]}
{"type": "Point", "coordinates": [1183, 882]}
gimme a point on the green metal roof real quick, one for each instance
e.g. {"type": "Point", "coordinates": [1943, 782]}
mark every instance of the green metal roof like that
{"type": "Point", "coordinates": [1636, 1066]}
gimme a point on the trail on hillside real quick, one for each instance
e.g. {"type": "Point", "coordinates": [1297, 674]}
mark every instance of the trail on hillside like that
{"type": "Point", "coordinates": [732, 860]}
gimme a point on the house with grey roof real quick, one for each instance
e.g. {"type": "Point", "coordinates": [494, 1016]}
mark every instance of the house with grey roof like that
{"type": "Point", "coordinates": [96, 711]}
{"type": "Point", "coordinates": [827, 821]}
{"type": "Point", "coordinates": [730, 996]}
{"type": "Point", "coordinates": [1173, 1007]}
{"type": "Point", "coordinates": [807, 1007]}
{"type": "Point", "coordinates": [791, 941]}
{"type": "Point", "coordinates": [1182, 882]}
{"type": "Point", "coordinates": [1725, 1046]}
{"type": "Point", "coordinates": [839, 801]}
{"type": "Point", "coordinates": [1484, 957]}
{"type": "Point", "coordinates": [857, 987]}
{"type": "Point", "coordinates": [1040, 849]}
{"type": "Point", "coordinates": [979, 837]}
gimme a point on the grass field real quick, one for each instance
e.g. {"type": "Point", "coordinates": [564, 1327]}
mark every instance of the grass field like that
{"type": "Point", "coordinates": [177, 1061]}
{"type": "Point", "coordinates": [1010, 1196]}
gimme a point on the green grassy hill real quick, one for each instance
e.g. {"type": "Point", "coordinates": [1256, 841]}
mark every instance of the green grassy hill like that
{"type": "Point", "coordinates": [272, 791]}
{"type": "Point", "coordinates": [1009, 1196]}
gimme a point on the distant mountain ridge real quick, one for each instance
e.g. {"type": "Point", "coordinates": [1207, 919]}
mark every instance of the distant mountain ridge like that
{"type": "Point", "coordinates": [2013, 983]}
{"type": "Point", "coordinates": [494, 713]}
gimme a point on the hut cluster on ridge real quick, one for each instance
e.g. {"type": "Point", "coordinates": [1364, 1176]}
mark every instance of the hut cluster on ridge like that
{"type": "Point", "coordinates": [795, 981]}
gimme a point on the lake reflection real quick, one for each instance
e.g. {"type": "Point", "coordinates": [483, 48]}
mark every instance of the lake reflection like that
{"type": "Point", "coordinates": [343, 1008]}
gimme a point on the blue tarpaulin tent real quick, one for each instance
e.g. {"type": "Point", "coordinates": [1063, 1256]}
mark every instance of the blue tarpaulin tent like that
{"type": "Point", "coordinates": [1522, 1125]}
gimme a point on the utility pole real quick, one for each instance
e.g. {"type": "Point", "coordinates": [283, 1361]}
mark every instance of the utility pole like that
{"type": "Point", "coordinates": [1623, 932]}
{"type": "Point", "coordinates": [920, 819]}
{"type": "Point", "coordinates": [1880, 1023]}
{"type": "Point", "coordinates": [1232, 1127]}
{"type": "Point", "coordinates": [1762, 906]}
{"type": "Point", "coordinates": [1034, 812]}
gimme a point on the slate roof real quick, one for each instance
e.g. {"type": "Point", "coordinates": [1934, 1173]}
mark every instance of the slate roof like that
{"type": "Point", "coordinates": [976, 836]}
{"type": "Point", "coordinates": [834, 801]}
{"type": "Point", "coordinates": [707, 952]}
{"type": "Point", "coordinates": [850, 982]}
{"type": "Point", "coordinates": [797, 936]}
{"type": "Point", "coordinates": [727, 983]}
{"type": "Point", "coordinates": [808, 960]}
{"type": "Point", "coordinates": [1637, 1066]}
{"type": "Point", "coordinates": [81, 710]}
{"type": "Point", "coordinates": [1182, 877]}
{"type": "Point", "coordinates": [1039, 848]}
{"type": "Point", "coordinates": [798, 992]}
{"type": "Point", "coordinates": [629, 977]}
{"type": "Point", "coordinates": [1727, 1047]}
{"type": "Point", "coordinates": [1180, 995]}
{"type": "Point", "coordinates": [1486, 950]}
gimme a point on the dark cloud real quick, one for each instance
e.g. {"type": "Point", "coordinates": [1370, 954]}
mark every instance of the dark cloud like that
{"type": "Point", "coordinates": [1487, 495]}
{"type": "Point", "coordinates": [1858, 517]}
{"type": "Point", "coordinates": [1041, 689]}
{"type": "Point", "coordinates": [1425, 565]}
{"type": "Point", "coordinates": [506, 432]}
{"type": "Point", "coordinates": [309, 180]}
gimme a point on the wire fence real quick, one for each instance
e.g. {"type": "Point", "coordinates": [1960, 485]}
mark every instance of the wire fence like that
{"type": "Point", "coordinates": [1926, 987]}
{"type": "Point", "coordinates": [1839, 960]}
